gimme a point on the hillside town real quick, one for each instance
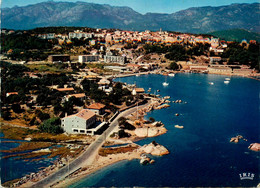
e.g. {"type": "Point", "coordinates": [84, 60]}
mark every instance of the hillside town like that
{"type": "Point", "coordinates": [131, 51]}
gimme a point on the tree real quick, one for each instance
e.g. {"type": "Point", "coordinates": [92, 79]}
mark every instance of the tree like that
{"type": "Point", "coordinates": [151, 119]}
{"type": "Point", "coordinates": [121, 120]}
{"type": "Point", "coordinates": [123, 134]}
{"type": "Point", "coordinates": [51, 125]}
{"type": "Point", "coordinates": [174, 66]}
{"type": "Point", "coordinates": [16, 108]}
{"type": "Point", "coordinates": [6, 114]}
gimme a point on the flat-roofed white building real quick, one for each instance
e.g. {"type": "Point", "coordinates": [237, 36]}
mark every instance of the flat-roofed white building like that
{"type": "Point", "coordinates": [88, 58]}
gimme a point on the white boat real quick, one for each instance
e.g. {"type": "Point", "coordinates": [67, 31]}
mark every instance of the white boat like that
{"type": "Point", "coordinates": [171, 74]}
{"type": "Point", "coordinates": [165, 84]}
{"type": "Point", "coordinates": [226, 81]}
{"type": "Point", "coordinates": [211, 83]}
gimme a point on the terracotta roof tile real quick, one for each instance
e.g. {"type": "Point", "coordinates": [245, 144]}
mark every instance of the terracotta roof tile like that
{"type": "Point", "coordinates": [65, 89]}
{"type": "Point", "coordinates": [97, 106]}
{"type": "Point", "coordinates": [84, 114]}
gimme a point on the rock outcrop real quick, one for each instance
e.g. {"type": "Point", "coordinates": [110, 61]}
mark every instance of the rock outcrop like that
{"type": "Point", "coordinates": [236, 139]}
{"type": "Point", "coordinates": [254, 147]}
{"type": "Point", "coordinates": [179, 126]}
{"type": "Point", "coordinates": [154, 149]}
{"type": "Point", "coordinates": [149, 131]}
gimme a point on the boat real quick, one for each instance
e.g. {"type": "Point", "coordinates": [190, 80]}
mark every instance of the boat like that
{"type": "Point", "coordinates": [227, 79]}
{"type": "Point", "coordinates": [226, 82]}
{"type": "Point", "coordinates": [179, 126]}
{"type": "Point", "coordinates": [165, 83]}
{"type": "Point", "coordinates": [211, 83]}
{"type": "Point", "coordinates": [171, 74]}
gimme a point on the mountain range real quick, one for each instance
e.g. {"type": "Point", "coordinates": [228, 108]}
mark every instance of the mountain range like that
{"type": "Point", "coordinates": [193, 20]}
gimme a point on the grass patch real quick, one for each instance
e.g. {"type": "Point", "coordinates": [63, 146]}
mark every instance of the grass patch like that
{"type": "Point", "coordinates": [20, 133]}
{"type": "Point", "coordinates": [16, 133]}
{"type": "Point", "coordinates": [51, 68]}
{"type": "Point", "coordinates": [109, 151]}
{"type": "Point", "coordinates": [26, 146]}
{"type": "Point", "coordinates": [26, 155]}
{"type": "Point", "coordinates": [64, 152]}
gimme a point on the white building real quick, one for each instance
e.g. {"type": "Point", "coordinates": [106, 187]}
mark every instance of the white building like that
{"type": "Point", "coordinates": [88, 58]}
{"type": "Point", "coordinates": [78, 123]}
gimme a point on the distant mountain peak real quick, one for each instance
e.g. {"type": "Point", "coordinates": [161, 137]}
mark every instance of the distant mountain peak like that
{"type": "Point", "coordinates": [194, 20]}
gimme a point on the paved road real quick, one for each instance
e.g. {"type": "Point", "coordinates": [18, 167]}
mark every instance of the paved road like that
{"type": "Point", "coordinates": [87, 157]}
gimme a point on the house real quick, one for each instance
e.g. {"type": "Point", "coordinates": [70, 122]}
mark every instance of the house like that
{"type": "Point", "coordinates": [97, 108]}
{"type": "Point", "coordinates": [114, 59]}
{"type": "Point", "coordinates": [11, 93]}
{"type": "Point", "coordinates": [137, 91]}
{"type": "Point", "coordinates": [58, 58]}
{"type": "Point", "coordinates": [214, 59]}
{"type": "Point", "coordinates": [133, 67]}
{"type": "Point", "coordinates": [110, 58]}
{"type": "Point", "coordinates": [104, 81]}
{"type": "Point", "coordinates": [78, 123]}
{"type": "Point", "coordinates": [88, 58]}
{"type": "Point", "coordinates": [80, 96]}
{"type": "Point", "coordinates": [69, 89]}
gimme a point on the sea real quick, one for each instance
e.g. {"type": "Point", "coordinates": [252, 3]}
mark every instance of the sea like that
{"type": "Point", "coordinates": [201, 153]}
{"type": "Point", "coordinates": [13, 167]}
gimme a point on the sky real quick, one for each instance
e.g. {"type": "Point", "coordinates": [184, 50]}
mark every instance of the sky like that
{"type": "Point", "coordinates": [141, 6]}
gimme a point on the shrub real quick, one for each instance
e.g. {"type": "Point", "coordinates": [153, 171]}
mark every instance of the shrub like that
{"type": "Point", "coordinates": [51, 125]}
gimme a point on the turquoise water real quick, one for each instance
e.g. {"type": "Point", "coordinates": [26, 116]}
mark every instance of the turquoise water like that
{"type": "Point", "coordinates": [200, 154]}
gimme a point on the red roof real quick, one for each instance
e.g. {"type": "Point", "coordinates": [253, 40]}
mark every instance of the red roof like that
{"type": "Point", "coordinates": [65, 89]}
{"type": "Point", "coordinates": [78, 95]}
{"type": "Point", "coordinates": [84, 114]}
{"type": "Point", "coordinates": [139, 90]}
{"type": "Point", "coordinates": [96, 106]}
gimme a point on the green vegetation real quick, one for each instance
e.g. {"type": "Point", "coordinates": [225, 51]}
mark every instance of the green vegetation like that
{"type": "Point", "coordinates": [109, 151]}
{"type": "Point", "coordinates": [239, 54]}
{"type": "Point", "coordinates": [26, 146]}
{"type": "Point", "coordinates": [58, 30]}
{"type": "Point", "coordinates": [178, 52]}
{"type": "Point", "coordinates": [51, 125]}
{"type": "Point", "coordinates": [236, 35]}
{"type": "Point", "coordinates": [16, 133]}
{"type": "Point", "coordinates": [174, 66]}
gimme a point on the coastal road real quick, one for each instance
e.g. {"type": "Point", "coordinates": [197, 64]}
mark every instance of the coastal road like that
{"type": "Point", "coordinates": [88, 156]}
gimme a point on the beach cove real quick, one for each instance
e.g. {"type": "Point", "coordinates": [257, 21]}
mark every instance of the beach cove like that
{"type": "Point", "coordinates": [200, 154]}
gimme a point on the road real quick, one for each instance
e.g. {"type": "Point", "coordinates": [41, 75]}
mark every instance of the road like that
{"type": "Point", "coordinates": [87, 157]}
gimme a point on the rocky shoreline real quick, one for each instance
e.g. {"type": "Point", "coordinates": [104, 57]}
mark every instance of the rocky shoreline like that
{"type": "Point", "coordinates": [143, 131]}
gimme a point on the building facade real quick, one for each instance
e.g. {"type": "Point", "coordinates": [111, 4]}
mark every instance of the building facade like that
{"type": "Point", "coordinates": [78, 123]}
{"type": "Point", "coordinates": [88, 58]}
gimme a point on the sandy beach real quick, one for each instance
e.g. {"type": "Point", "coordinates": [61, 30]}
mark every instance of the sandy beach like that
{"type": "Point", "coordinates": [98, 164]}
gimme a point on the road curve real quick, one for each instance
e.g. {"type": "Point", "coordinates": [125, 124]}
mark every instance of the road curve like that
{"type": "Point", "coordinates": [87, 157]}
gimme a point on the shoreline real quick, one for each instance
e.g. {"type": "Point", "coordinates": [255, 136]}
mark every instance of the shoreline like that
{"type": "Point", "coordinates": [96, 166]}
{"type": "Point", "coordinates": [178, 72]}
{"type": "Point", "coordinates": [99, 164]}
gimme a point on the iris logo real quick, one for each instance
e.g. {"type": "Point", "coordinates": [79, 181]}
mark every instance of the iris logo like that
{"type": "Point", "coordinates": [246, 176]}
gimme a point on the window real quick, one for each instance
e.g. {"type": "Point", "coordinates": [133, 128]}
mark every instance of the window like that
{"type": "Point", "coordinates": [82, 131]}
{"type": "Point", "coordinates": [75, 130]}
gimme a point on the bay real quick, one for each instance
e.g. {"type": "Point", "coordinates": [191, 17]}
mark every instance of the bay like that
{"type": "Point", "coordinates": [200, 154]}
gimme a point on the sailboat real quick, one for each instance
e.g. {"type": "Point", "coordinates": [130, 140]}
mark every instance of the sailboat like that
{"type": "Point", "coordinates": [171, 74]}
{"type": "Point", "coordinates": [165, 83]}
